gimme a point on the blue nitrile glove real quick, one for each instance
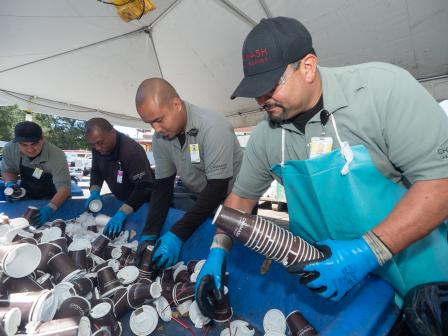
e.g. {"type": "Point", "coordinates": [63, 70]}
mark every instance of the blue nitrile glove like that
{"type": "Point", "coordinates": [167, 250]}
{"type": "Point", "coordinates": [213, 266]}
{"type": "Point", "coordinates": [94, 194]}
{"type": "Point", "coordinates": [115, 224]}
{"type": "Point", "coordinates": [10, 184]}
{"type": "Point", "coordinates": [209, 292]}
{"type": "Point", "coordinates": [44, 215]}
{"type": "Point", "coordinates": [347, 262]}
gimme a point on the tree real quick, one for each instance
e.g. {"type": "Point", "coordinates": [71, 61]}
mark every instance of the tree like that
{"type": "Point", "coordinates": [65, 133]}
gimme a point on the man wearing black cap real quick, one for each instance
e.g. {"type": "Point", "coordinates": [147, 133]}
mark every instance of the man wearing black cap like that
{"type": "Point", "coordinates": [41, 165]}
{"type": "Point", "coordinates": [360, 176]}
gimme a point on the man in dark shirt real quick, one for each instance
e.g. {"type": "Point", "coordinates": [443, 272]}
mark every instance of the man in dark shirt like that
{"type": "Point", "coordinates": [122, 163]}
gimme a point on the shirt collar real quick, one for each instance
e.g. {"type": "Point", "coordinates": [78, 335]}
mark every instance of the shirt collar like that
{"type": "Point", "coordinates": [43, 156]}
{"type": "Point", "coordinates": [190, 117]}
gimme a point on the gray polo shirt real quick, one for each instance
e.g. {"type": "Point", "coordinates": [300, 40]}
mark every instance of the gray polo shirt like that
{"type": "Point", "coordinates": [375, 104]}
{"type": "Point", "coordinates": [51, 160]}
{"type": "Point", "coordinates": [219, 150]}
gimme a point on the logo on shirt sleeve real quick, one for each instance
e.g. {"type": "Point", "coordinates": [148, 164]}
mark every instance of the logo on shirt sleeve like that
{"type": "Point", "coordinates": [443, 151]}
{"type": "Point", "coordinates": [138, 176]}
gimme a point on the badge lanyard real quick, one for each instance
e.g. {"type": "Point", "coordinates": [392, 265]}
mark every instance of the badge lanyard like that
{"type": "Point", "coordinates": [322, 144]}
{"type": "Point", "coordinates": [119, 173]}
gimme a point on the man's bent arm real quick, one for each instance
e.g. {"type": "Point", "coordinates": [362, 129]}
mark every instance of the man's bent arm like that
{"type": "Point", "coordinates": [419, 212]}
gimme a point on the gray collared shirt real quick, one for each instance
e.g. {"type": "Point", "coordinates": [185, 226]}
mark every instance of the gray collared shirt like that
{"type": "Point", "coordinates": [51, 160]}
{"type": "Point", "coordinates": [378, 105]}
{"type": "Point", "coordinates": [220, 153]}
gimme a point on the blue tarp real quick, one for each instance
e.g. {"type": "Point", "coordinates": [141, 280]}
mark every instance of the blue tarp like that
{"type": "Point", "coordinates": [366, 310]}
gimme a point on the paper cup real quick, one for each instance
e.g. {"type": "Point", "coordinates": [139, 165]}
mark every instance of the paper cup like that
{"type": "Point", "coordinates": [21, 285]}
{"type": "Point", "coordinates": [198, 319]}
{"type": "Point", "coordinates": [48, 251]}
{"type": "Point", "coordinates": [50, 234]}
{"type": "Point", "coordinates": [108, 282]}
{"type": "Point", "coordinates": [19, 260]}
{"type": "Point", "coordinates": [95, 205]}
{"type": "Point", "coordinates": [10, 319]}
{"type": "Point", "coordinates": [274, 321]}
{"type": "Point", "coordinates": [128, 275]}
{"type": "Point", "coordinates": [298, 325]}
{"type": "Point", "coordinates": [30, 213]}
{"type": "Point", "coordinates": [163, 309]}
{"type": "Point", "coordinates": [143, 320]}
{"type": "Point", "coordinates": [79, 326]}
{"type": "Point", "coordinates": [75, 306]}
{"type": "Point", "coordinates": [62, 268]}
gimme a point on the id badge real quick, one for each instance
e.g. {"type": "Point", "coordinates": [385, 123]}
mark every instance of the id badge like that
{"type": "Point", "coordinates": [320, 146]}
{"type": "Point", "coordinates": [37, 173]}
{"type": "Point", "coordinates": [120, 176]}
{"type": "Point", "coordinates": [194, 153]}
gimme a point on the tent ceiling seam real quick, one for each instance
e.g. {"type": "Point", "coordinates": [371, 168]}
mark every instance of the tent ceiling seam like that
{"type": "Point", "coordinates": [141, 29]}
{"type": "Point", "coordinates": [265, 8]}
{"type": "Point", "coordinates": [30, 99]}
{"type": "Point", "coordinates": [238, 12]}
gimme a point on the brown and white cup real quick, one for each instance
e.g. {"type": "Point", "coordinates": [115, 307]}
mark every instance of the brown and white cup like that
{"type": "Point", "coordinates": [182, 292]}
{"type": "Point", "coordinates": [30, 213]}
{"type": "Point", "coordinates": [75, 306]}
{"type": "Point", "coordinates": [48, 251]}
{"type": "Point", "coordinates": [120, 303]}
{"type": "Point", "coordinates": [35, 306]}
{"type": "Point", "coordinates": [79, 258]}
{"type": "Point", "coordinates": [102, 315]}
{"type": "Point", "coordinates": [19, 260]}
{"type": "Point", "coordinates": [108, 282]}
{"type": "Point", "coordinates": [10, 319]}
{"type": "Point", "coordinates": [138, 293]}
{"type": "Point", "coordinates": [60, 223]}
{"type": "Point", "coordinates": [45, 281]}
{"type": "Point", "coordinates": [70, 326]}
{"type": "Point", "coordinates": [298, 325]}
{"type": "Point", "coordinates": [21, 285]}
{"type": "Point", "coordinates": [144, 320]}
{"type": "Point", "coordinates": [223, 310]}
{"type": "Point", "coordinates": [99, 245]}
{"type": "Point", "coordinates": [62, 268]}
{"type": "Point", "coordinates": [61, 242]}
{"type": "Point", "coordinates": [128, 275]}
{"type": "Point", "coordinates": [265, 237]}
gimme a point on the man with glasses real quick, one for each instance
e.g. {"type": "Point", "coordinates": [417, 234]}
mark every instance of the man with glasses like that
{"type": "Point", "coordinates": [363, 180]}
{"type": "Point", "coordinates": [122, 163]}
{"type": "Point", "coordinates": [41, 166]}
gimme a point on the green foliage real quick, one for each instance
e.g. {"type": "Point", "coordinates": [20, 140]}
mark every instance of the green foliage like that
{"type": "Point", "coordinates": [65, 133]}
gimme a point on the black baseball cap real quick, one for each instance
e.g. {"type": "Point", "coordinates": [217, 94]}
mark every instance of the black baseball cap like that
{"type": "Point", "coordinates": [268, 49]}
{"type": "Point", "coordinates": [27, 131]}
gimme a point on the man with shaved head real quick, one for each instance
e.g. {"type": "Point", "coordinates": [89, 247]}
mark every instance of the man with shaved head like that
{"type": "Point", "coordinates": [195, 143]}
{"type": "Point", "coordinates": [122, 163]}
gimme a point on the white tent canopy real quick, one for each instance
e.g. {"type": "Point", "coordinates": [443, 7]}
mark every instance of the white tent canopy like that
{"type": "Point", "coordinates": [77, 58]}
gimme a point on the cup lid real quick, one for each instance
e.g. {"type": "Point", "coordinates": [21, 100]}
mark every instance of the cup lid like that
{"type": "Point", "coordinates": [45, 307]}
{"type": "Point", "coordinates": [128, 274]}
{"type": "Point", "coordinates": [84, 327]}
{"type": "Point", "coordinates": [163, 308]}
{"type": "Point", "coordinates": [79, 244]}
{"type": "Point", "coordinates": [11, 321]}
{"type": "Point", "coordinates": [95, 205]}
{"type": "Point", "coordinates": [274, 320]}
{"type": "Point", "coordinates": [196, 316]}
{"type": "Point", "coordinates": [155, 290]}
{"type": "Point", "coordinates": [22, 260]}
{"type": "Point", "coordinates": [179, 269]}
{"type": "Point", "coordinates": [198, 266]}
{"type": "Point", "coordinates": [143, 320]}
{"type": "Point", "coordinates": [116, 252]}
{"type": "Point", "coordinates": [51, 233]}
{"type": "Point", "coordinates": [100, 310]}
{"type": "Point", "coordinates": [19, 222]}
{"type": "Point", "coordinates": [184, 307]}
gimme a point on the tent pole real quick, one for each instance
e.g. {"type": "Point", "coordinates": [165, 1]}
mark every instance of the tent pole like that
{"type": "Point", "coordinates": [238, 12]}
{"type": "Point", "coordinates": [265, 8]}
